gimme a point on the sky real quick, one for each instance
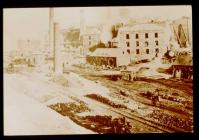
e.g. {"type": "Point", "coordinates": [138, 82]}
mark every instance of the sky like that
{"type": "Point", "coordinates": [32, 23]}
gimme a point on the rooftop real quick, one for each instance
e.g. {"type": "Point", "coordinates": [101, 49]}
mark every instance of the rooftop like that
{"type": "Point", "coordinates": [144, 26]}
{"type": "Point", "coordinates": [106, 52]}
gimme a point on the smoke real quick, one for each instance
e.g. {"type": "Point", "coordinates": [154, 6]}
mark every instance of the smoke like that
{"type": "Point", "coordinates": [108, 22]}
{"type": "Point", "coordinates": [106, 34]}
{"type": "Point", "coordinates": [113, 18]}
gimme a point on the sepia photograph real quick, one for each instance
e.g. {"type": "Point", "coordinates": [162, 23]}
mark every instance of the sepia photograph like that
{"type": "Point", "coordinates": [97, 70]}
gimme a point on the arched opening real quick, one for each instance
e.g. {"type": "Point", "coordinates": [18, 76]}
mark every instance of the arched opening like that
{"type": "Point", "coordinates": [111, 62]}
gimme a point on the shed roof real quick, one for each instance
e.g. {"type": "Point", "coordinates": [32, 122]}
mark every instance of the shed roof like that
{"type": "Point", "coordinates": [107, 52]}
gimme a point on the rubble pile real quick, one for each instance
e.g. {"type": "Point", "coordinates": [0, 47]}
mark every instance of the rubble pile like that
{"type": "Point", "coordinates": [151, 96]}
{"type": "Point", "coordinates": [105, 100]}
{"type": "Point", "coordinates": [172, 121]}
{"type": "Point", "coordinates": [176, 99]}
{"type": "Point", "coordinates": [147, 94]}
{"type": "Point", "coordinates": [97, 123]}
{"type": "Point", "coordinates": [68, 109]}
{"type": "Point", "coordinates": [107, 124]}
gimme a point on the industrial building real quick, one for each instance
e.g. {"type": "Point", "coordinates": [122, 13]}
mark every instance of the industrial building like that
{"type": "Point", "coordinates": [112, 57]}
{"type": "Point", "coordinates": [143, 41]}
{"type": "Point", "coordinates": [133, 43]}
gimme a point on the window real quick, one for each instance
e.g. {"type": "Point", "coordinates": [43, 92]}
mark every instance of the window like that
{"type": "Point", "coordinates": [146, 43]}
{"type": "Point", "coordinates": [136, 36]}
{"type": "Point", "coordinates": [156, 35]}
{"type": "Point", "coordinates": [89, 42]}
{"type": "Point", "coordinates": [137, 43]}
{"type": "Point", "coordinates": [137, 51]}
{"type": "Point", "coordinates": [89, 37]}
{"type": "Point", "coordinates": [157, 50]}
{"type": "Point", "coordinates": [147, 51]}
{"type": "Point", "coordinates": [123, 52]}
{"type": "Point", "coordinates": [146, 35]}
{"type": "Point", "coordinates": [156, 43]}
{"type": "Point", "coordinates": [127, 36]}
{"type": "Point", "coordinates": [127, 44]}
{"type": "Point", "coordinates": [128, 51]}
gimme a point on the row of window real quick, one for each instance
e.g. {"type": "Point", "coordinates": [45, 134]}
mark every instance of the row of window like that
{"type": "Point", "coordinates": [147, 51]}
{"type": "Point", "coordinates": [138, 51]}
{"type": "Point", "coordinates": [146, 43]}
{"type": "Point", "coordinates": [137, 35]}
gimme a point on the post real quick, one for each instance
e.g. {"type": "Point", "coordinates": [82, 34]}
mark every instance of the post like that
{"type": "Point", "coordinates": [51, 35]}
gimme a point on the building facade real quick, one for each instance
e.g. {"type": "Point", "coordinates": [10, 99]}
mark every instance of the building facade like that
{"type": "Point", "coordinates": [133, 43]}
{"type": "Point", "coordinates": [143, 41]}
{"type": "Point", "coordinates": [112, 57]}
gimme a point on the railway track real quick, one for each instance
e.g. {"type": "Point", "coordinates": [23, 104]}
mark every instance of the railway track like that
{"type": "Point", "coordinates": [115, 86]}
{"type": "Point", "coordinates": [119, 112]}
{"type": "Point", "coordinates": [125, 113]}
{"type": "Point", "coordinates": [132, 117]}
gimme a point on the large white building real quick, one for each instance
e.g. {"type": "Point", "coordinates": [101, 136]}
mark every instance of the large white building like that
{"type": "Point", "coordinates": [133, 43]}
{"type": "Point", "coordinates": [143, 41]}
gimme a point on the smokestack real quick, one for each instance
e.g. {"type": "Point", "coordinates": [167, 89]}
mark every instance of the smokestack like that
{"type": "Point", "coordinates": [57, 50]}
{"type": "Point", "coordinates": [51, 30]}
{"type": "Point", "coordinates": [82, 22]}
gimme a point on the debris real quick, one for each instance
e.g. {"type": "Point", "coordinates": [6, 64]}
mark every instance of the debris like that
{"type": "Point", "coordinates": [105, 100]}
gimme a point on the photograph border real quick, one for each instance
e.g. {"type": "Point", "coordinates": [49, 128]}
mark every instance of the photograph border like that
{"type": "Point", "coordinates": [93, 3]}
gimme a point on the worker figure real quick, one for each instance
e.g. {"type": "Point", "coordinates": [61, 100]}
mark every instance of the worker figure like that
{"type": "Point", "coordinates": [155, 97]}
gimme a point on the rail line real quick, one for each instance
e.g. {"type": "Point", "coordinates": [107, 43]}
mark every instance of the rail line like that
{"type": "Point", "coordinates": [130, 116]}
